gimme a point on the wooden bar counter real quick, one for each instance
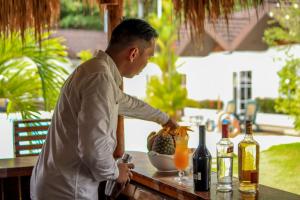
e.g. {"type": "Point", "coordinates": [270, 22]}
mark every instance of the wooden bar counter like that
{"type": "Point", "coordinates": [146, 183]}
{"type": "Point", "coordinates": [147, 177]}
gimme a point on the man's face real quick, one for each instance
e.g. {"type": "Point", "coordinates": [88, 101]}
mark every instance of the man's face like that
{"type": "Point", "coordinates": [140, 60]}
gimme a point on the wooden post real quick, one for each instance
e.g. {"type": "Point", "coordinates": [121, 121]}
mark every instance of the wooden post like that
{"type": "Point", "coordinates": [115, 15]}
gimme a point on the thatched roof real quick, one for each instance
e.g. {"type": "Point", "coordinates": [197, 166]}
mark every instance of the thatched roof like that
{"type": "Point", "coordinates": [196, 12]}
{"type": "Point", "coordinates": [18, 15]}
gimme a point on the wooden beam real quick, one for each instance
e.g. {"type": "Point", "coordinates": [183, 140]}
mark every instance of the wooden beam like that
{"type": "Point", "coordinates": [115, 15]}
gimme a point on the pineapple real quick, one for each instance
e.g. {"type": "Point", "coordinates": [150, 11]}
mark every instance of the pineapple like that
{"type": "Point", "coordinates": [164, 143]}
{"type": "Point", "coordinates": [150, 140]}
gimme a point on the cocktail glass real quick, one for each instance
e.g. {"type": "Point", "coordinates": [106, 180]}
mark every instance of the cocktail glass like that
{"type": "Point", "coordinates": [181, 157]}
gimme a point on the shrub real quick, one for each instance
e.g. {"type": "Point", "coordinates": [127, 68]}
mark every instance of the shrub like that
{"type": "Point", "coordinates": [210, 104]}
{"type": "Point", "coordinates": [74, 14]}
{"type": "Point", "coordinates": [81, 22]}
{"type": "Point", "coordinates": [266, 105]}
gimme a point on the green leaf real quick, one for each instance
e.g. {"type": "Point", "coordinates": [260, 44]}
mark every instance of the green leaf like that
{"type": "Point", "coordinates": [31, 72]}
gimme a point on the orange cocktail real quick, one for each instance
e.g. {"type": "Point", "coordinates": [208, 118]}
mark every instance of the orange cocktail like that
{"type": "Point", "coordinates": [181, 157]}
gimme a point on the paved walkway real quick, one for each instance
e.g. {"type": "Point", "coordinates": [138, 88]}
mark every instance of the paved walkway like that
{"type": "Point", "coordinates": [136, 132]}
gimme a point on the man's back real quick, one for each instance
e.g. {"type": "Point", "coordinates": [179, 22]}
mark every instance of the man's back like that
{"type": "Point", "coordinates": [60, 172]}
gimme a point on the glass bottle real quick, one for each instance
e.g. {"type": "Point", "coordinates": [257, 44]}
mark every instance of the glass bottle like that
{"type": "Point", "coordinates": [224, 160]}
{"type": "Point", "coordinates": [248, 157]}
{"type": "Point", "coordinates": [201, 164]}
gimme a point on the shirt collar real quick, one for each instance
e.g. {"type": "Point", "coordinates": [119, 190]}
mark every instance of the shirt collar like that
{"type": "Point", "coordinates": [112, 66]}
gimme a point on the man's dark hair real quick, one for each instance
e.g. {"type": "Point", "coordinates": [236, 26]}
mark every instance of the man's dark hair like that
{"type": "Point", "coordinates": [130, 30]}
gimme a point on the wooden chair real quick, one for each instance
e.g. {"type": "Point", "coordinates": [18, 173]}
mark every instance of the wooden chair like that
{"type": "Point", "coordinates": [250, 111]}
{"type": "Point", "coordinates": [230, 114]}
{"type": "Point", "coordinates": [231, 107]}
{"type": "Point", "coordinates": [29, 136]}
{"type": "Point", "coordinates": [249, 114]}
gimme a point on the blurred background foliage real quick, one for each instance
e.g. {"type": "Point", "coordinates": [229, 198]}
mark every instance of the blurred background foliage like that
{"type": "Point", "coordinates": [76, 14]}
{"type": "Point", "coordinates": [286, 17]}
{"type": "Point", "coordinates": [84, 55]}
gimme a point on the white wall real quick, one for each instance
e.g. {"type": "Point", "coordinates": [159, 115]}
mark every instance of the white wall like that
{"type": "Point", "coordinates": [211, 76]}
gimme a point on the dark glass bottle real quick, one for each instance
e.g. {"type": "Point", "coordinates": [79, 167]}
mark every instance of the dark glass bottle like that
{"type": "Point", "coordinates": [201, 164]}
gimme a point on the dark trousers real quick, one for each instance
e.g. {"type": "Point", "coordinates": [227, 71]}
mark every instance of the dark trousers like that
{"type": "Point", "coordinates": [101, 189]}
{"type": "Point", "coordinates": [102, 196]}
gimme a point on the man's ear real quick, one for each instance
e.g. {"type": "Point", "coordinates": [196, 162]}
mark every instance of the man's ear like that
{"type": "Point", "coordinates": [133, 53]}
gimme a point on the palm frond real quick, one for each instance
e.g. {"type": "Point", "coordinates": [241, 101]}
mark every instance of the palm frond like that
{"type": "Point", "coordinates": [31, 72]}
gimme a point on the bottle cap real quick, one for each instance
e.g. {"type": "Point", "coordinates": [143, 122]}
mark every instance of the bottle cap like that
{"type": "Point", "coordinates": [225, 132]}
{"type": "Point", "coordinates": [248, 127]}
{"type": "Point", "coordinates": [225, 121]}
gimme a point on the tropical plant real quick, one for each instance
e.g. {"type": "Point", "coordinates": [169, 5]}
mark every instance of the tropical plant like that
{"type": "Point", "coordinates": [287, 16]}
{"type": "Point", "coordinates": [31, 74]}
{"type": "Point", "coordinates": [289, 90]}
{"type": "Point", "coordinates": [288, 32]}
{"type": "Point", "coordinates": [166, 91]}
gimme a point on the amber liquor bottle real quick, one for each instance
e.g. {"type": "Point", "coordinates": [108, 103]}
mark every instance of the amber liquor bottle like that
{"type": "Point", "coordinates": [248, 157]}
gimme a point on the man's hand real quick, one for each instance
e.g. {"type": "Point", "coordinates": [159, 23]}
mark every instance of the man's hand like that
{"type": "Point", "coordinates": [171, 124]}
{"type": "Point", "coordinates": [124, 172]}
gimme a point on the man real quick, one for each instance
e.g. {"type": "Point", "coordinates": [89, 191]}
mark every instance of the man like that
{"type": "Point", "coordinates": [78, 152]}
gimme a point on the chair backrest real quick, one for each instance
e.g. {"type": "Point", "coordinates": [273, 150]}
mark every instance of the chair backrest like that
{"type": "Point", "coordinates": [231, 107]}
{"type": "Point", "coordinates": [251, 110]}
{"type": "Point", "coordinates": [29, 136]}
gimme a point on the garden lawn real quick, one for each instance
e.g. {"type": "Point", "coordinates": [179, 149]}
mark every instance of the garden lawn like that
{"type": "Point", "coordinates": [280, 167]}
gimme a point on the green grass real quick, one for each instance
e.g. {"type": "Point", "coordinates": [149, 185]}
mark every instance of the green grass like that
{"type": "Point", "coordinates": [279, 167]}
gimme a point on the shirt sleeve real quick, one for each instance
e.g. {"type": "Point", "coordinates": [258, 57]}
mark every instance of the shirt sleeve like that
{"type": "Point", "coordinates": [95, 144]}
{"type": "Point", "coordinates": [133, 107]}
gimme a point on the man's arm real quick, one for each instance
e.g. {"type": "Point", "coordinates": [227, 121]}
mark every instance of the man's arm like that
{"type": "Point", "coordinates": [133, 107]}
{"type": "Point", "coordinates": [95, 144]}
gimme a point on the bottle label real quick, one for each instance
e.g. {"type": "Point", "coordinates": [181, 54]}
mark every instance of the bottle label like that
{"type": "Point", "coordinates": [249, 158]}
{"type": "Point", "coordinates": [197, 176]}
{"type": "Point", "coordinates": [229, 149]}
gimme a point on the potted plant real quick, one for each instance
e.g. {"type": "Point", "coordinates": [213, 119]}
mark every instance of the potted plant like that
{"type": "Point", "coordinates": [166, 92]}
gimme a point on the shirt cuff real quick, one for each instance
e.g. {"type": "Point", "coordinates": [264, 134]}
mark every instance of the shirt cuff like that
{"type": "Point", "coordinates": [116, 172]}
{"type": "Point", "coordinates": [163, 118]}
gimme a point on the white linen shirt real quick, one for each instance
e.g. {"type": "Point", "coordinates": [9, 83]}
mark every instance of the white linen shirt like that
{"type": "Point", "coordinates": [78, 151]}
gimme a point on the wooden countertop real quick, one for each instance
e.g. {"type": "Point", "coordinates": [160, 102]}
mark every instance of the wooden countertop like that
{"type": "Point", "coordinates": [21, 166]}
{"type": "Point", "coordinates": [147, 176]}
